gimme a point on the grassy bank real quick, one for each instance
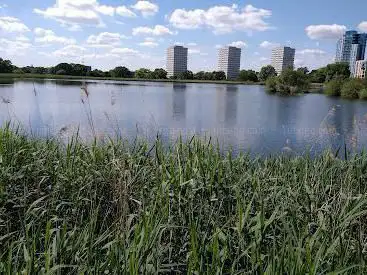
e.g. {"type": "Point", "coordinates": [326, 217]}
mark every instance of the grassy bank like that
{"type": "Point", "coordinates": [70, 77]}
{"type": "Point", "coordinates": [119, 209]}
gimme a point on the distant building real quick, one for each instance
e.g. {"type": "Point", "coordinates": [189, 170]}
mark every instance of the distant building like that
{"type": "Point", "coordinates": [176, 60]}
{"type": "Point", "coordinates": [350, 48]}
{"type": "Point", "coordinates": [282, 58]}
{"type": "Point", "coordinates": [229, 61]}
{"type": "Point", "coordinates": [360, 70]}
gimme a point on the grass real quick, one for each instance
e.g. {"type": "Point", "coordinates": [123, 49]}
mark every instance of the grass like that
{"type": "Point", "coordinates": [50, 76]}
{"type": "Point", "coordinates": [118, 208]}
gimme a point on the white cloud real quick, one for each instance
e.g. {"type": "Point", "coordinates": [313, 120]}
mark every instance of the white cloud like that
{"type": "Point", "coordinates": [49, 37]}
{"type": "Point", "coordinates": [222, 19]}
{"type": "Point", "coordinates": [124, 51]}
{"type": "Point", "coordinates": [146, 8]}
{"type": "Point", "coordinates": [105, 10]}
{"type": "Point", "coordinates": [218, 46]}
{"type": "Point", "coordinates": [3, 6]}
{"type": "Point", "coordinates": [238, 44]}
{"type": "Point", "coordinates": [312, 58]}
{"type": "Point", "coordinates": [73, 13]}
{"type": "Point", "coordinates": [71, 51]}
{"type": "Point", "coordinates": [194, 51]}
{"type": "Point", "coordinates": [149, 44]}
{"type": "Point", "coordinates": [192, 44]}
{"type": "Point", "coordinates": [12, 24]}
{"type": "Point", "coordinates": [363, 26]}
{"type": "Point", "coordinates": [263, 58]}
{"type": "Point", "coordinates": [105, 39]}
{"type": "Point", "coordinates": [156, 31]}
{"type": "Point", "coordinates": [125, 12]}
{"type": "Point", "coordinates": [325, 31]}
{"type": "Point", "coordinates": [269, 45]}
{"type": "Point", "coordinates": [311, 52]}
{"type": "Point", "coordinates": [15, 47]}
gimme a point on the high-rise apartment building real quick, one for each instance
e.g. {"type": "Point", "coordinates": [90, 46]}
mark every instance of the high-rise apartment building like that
{"type": "Point", "coordinates": [350, 48]}
{"type": "Point", "coordinates": [176, 60]}
{"type": "Point", "coordinates": [282, 58]}
{"type": "Point", "coordinates": [360, 70]}
{"type": "Point", "coordinates": [229, 61]}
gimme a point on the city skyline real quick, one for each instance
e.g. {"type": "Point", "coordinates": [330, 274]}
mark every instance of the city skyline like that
{"type": "Point", "coordinates": [109, 33]}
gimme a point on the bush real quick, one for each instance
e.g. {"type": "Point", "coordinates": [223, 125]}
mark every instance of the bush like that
{"type": "Point", "coordinates": [271, 84]}
{"type": "Point", "coordinates": [363, 94]}
{"type": "Point", "coordinates": [333, 87]}
{"type": "Point", "coordinates": [18, 71]}
{"type": "Point", "coordinates": [352, 88]}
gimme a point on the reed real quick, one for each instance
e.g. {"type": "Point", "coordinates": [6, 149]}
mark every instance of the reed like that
{"type": "Point", "coordinates": [118, 208]}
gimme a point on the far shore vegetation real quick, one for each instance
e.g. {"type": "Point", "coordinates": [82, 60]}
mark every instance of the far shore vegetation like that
{"type": "Point", "coordinates": [78, 71]}
{"type": "Point", "coordinates": [333, 80]}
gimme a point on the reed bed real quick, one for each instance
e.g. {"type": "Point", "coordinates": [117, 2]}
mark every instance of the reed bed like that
{"type": "Point", "coordinates": [119, 208]}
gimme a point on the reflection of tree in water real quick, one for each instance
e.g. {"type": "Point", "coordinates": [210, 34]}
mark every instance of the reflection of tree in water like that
{"type": "Point", "coordinates": [341, 126]}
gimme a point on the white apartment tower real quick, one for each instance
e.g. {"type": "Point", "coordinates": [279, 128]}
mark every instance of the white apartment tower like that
{"type": "Point", "coordinates": [176, 60]}
{"type": "Point", "coordinates": [282, 58]}
{"type": "Point", "coordinates": [229, 61]}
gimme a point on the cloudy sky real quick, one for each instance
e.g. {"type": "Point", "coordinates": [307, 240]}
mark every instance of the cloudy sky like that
{"type": "Point", "coordinates": [109, 33]}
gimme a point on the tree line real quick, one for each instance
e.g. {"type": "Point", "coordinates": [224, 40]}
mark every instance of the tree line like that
{"type": "Point", "coordinates": [322, 75]}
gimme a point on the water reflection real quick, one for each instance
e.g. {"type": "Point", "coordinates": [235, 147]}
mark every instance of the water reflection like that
{"type": "Point", "coordinates": [179, 102]}
{"type": "Point", "coordinates": [238, 116]}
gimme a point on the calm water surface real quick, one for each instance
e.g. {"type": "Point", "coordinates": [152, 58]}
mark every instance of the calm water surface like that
{"type": "Point", "coordinates": [241, 117]}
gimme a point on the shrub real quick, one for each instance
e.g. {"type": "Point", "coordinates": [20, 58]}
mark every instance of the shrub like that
{"type": "Point", "coordinates": [363, 94]}
{"type": "Point", "coordinates": [333, 87]}
{"type": "Point", "coordinates": [352, 88]}
{"type": "Point", "coordinates": [271, 84]}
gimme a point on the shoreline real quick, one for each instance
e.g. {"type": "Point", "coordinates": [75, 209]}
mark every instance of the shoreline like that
{"type": "Point", "coordinates": [72, 77]}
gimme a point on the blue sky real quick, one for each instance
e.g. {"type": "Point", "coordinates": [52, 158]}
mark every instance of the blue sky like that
{"type": "Point", "coordinates": [109, 33]}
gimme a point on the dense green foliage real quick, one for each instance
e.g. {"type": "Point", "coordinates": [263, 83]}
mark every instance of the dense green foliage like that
{"type": "Point", "coordinates": [215, 75]}
{"type": "Point", "coordinates": [330, 72]}
{"type": "Point", "coordinates": [289, 82]}
{"type": "Point", "coordinates": [6, 66]}
{"type": "Point", "coordinates": [248, 75]}
{"type": "Point", "coordinates": [351, 88]}
{"type": "Point", "coordinates": [116, 209]}
{"type": "Point", "coordinates": [334, 87]}
{"type": "Point", "coordinates": [363, 93]}
{"type": "Point", "coordinates": [266, 72]}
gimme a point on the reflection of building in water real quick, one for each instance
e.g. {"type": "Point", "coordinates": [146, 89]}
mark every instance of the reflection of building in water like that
{"type": "Point", "coordinates": [179, 102]}
{"type": "Point", "coordinates": [227, 102]}
{"type": "Point", "coordinates": [231, 105]}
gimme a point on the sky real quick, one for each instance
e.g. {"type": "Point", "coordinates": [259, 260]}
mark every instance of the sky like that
{"type": "Point", "coordinates": [136, 34]}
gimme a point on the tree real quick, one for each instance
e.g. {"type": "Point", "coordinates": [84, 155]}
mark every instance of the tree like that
{"type": "Point", "coordinates": [97, 73]}
{"type": "Point", "coordinates": [199, 75]}
{"type": "Point", "coordinates": [266, 72]}
{"type": "Point", "coordinates": [6, 66]}
{"type": "Point", "coordinates": [249, 75]}
{"type": "Point", "coordinates": [121, 72]}
{"type": "Point", "coordinates": [219, 75]}
{"type": "Point", "coordinates": [143, 73]}
{"type": "Point", "coordinates": [65, 68]}
{"type": "Point", "coordinates": [352, 88]}
{"type": "Point", "coordinates": [185, 75]}
{"type": "Point", "coordinates": [289, 82]}
{"type": "Point", "coordinates": [303, 70]}
{"type": "Point", "coordinates": [318, 76]}
{"type": "Point", "coordinates": [334, 87]}
{"type": "Point", "coordinates": [337, 70]}
{"type": "Point", "coordinates": [159, 74]}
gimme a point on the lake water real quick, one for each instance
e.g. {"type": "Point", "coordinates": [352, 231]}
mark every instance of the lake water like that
{"type": "Point", "coordinates": [241, 117]}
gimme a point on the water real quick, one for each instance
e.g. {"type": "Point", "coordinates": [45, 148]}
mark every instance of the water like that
{"type": "Point", "coordinates": [240, 117]}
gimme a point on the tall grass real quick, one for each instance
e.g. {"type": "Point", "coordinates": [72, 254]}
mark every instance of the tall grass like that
{"type": "Point", "coordinates": [118, 208]}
